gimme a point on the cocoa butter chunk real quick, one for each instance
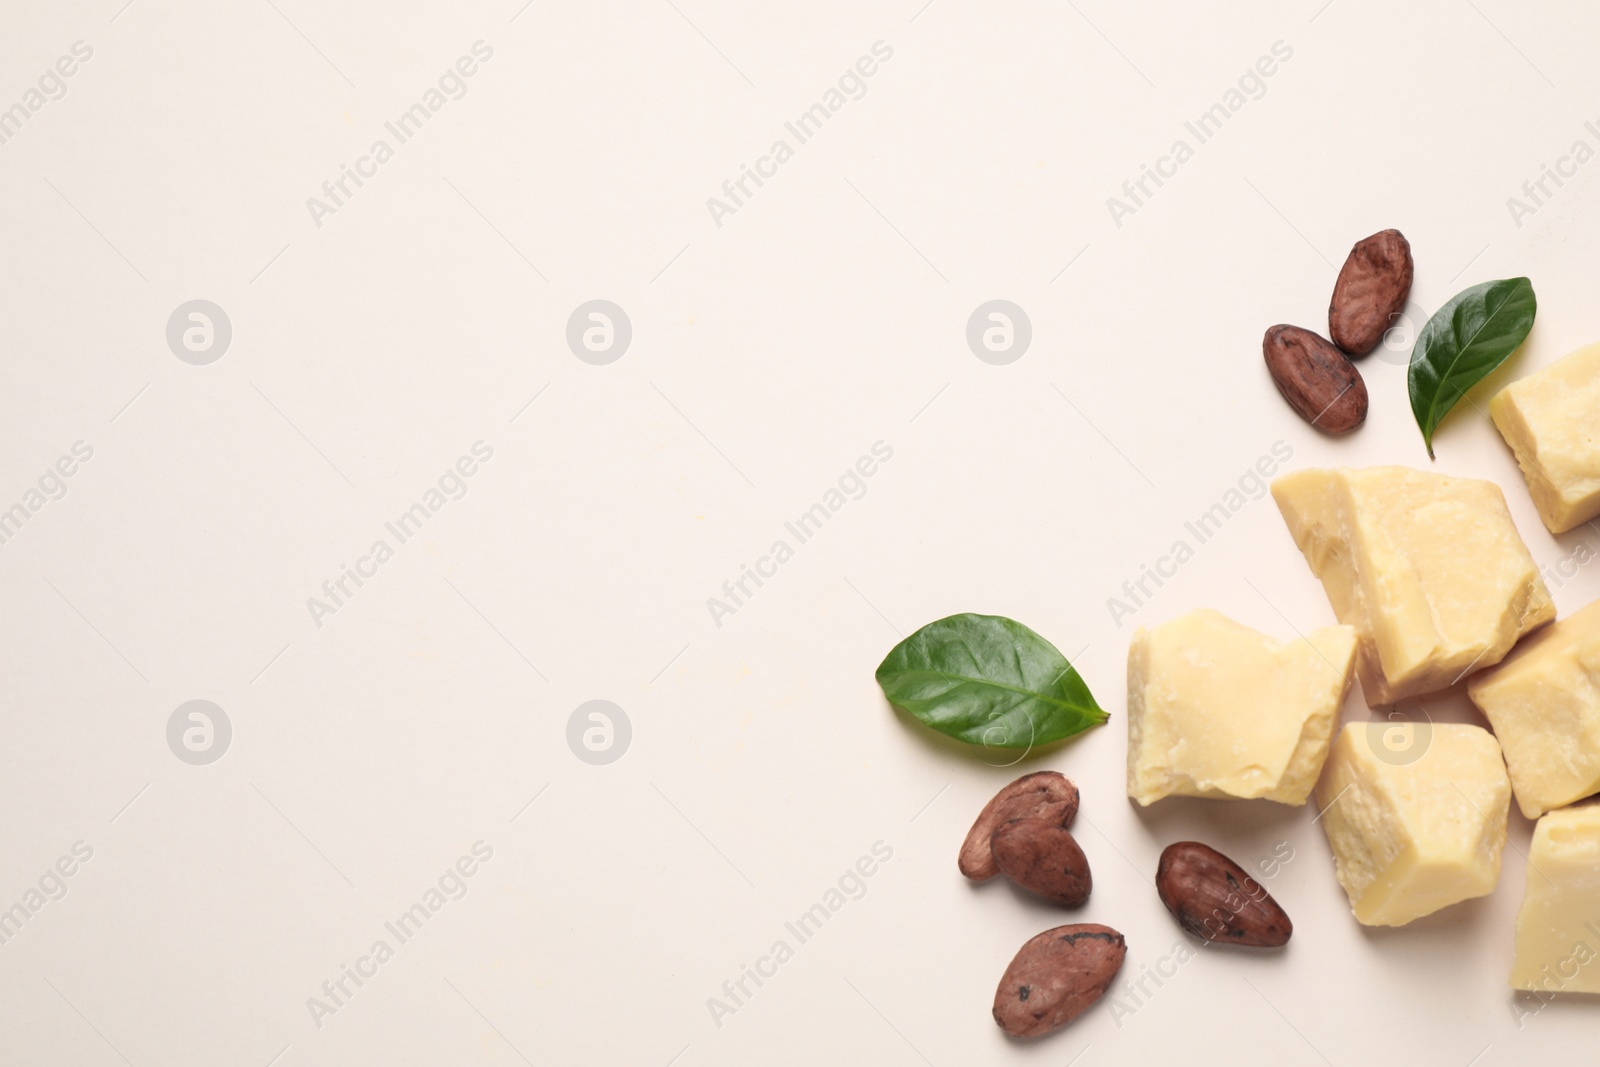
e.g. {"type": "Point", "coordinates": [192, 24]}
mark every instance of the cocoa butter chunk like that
{"type": "Point", "coordinates": [1056, 977]}
{"type": "Point", "coordinates": [1548, 420]}
{"type": "Point", "coordinates": [1212, 897]}
{"type": "Point", "coordinates": [1371, 291]}
{"type": "Point", "coordinates": [1429, 569]}
{"type": "Point", "coordinates": [1553, 935]}
{"type": "Point", "coordinates": [1322, 386]}
{"type": "Point", "coordinates": [1543, 701]}
{"type": "Point", "coordinates": [1216, 709]}
{"type": "Point", "coordinates": [1416, 815]}
{"type": "Point", "coordinates": [1044, 858]}
{"type": "Point", "coordinates": [1042, 794]}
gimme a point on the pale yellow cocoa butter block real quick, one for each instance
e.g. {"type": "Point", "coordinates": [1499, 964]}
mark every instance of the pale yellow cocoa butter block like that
{"type": "Point", "coordinates": [1558, 928]}
{"type": "Point", "coordinates": [1416, 824]}
{"type": "Point", "coordinates": [1216, 709]}
{"type": "Point", "coordinates": [1543, 701]}
{"type": "Point", "coordinates": [1429, 569]}
{"type": "Point", "coordinates": [1551, 420]}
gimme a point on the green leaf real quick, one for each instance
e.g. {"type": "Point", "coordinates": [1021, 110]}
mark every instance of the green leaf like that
{"type": "Point", "coordinates": [989, 681]}
{"type": "Point", "coordinates": [1465, 340]}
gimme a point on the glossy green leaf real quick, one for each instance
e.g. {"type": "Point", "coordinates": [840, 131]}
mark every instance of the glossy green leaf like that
{"type": "Point", "coordinates": [989, 681]}
{"type": "Point", "coordinates": [1465, 340]}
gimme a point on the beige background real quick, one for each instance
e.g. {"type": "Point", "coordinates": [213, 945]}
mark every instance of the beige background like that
{"type": "Point", "coordinates": [768, 353]}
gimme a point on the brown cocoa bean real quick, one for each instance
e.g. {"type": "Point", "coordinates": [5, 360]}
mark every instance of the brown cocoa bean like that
{"type": "Point", "coordinates": [1043, 858]}
{"type": "Point", "coordinates": [1372, 289]}
{"type": "Point", "coordinates": [1322, 386]}
{"type": "Point", "coordinates": [1212, 897]}
{"type": "Point", "coordinates": [1056, 977]}
{"type": "Point", "coordinates": [1042, 794]}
